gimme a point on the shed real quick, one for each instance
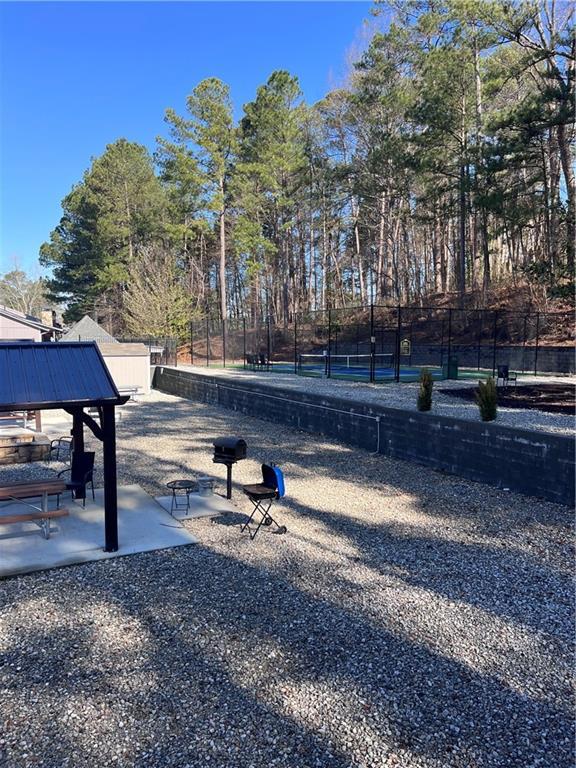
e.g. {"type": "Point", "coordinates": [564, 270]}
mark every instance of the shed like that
{"type": "Point", "coordinates": [128, 362]}
{"type": "Point", "coordinates": [72, 376]}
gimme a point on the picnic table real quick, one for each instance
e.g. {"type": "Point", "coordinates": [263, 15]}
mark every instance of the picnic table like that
{"type": "Point", "coordinates": [41, 516]}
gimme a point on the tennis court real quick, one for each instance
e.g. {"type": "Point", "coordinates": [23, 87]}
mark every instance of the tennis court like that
{"type": "Point", "coordinates": [358, 367]}
{"type": "Point", "coordinates": [379, 367]}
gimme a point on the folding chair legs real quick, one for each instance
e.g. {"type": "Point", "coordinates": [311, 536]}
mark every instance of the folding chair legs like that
{"type": "Point", "coordinates": [72, 494]}
{"type": "Point", "coordinates": [266, 518]}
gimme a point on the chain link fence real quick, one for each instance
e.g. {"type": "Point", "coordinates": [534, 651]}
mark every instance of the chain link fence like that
{"type": "Point", "coordinates": [390, 343]}
{"type": "Point", "coordinates": [163, 349]}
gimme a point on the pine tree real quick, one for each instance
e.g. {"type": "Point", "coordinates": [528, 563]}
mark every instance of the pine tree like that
{"type": "Point", "coordinates": [118, 205]}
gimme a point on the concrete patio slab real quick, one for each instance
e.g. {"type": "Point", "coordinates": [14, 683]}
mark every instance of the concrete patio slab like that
{"type": "Point", "coordinates": [200, 506]}
{"type": "Point", "coordinates": [143, 526]}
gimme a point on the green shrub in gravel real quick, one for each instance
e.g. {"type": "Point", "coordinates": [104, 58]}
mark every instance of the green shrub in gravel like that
{"type": "Point", "coordinates": [487, 399]}
{"type": "Point", "coordinates": [425, 392]}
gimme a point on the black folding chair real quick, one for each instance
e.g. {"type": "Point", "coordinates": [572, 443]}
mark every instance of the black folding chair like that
{"type": "Point", "coordinates": [60, 446]}
{"type": "Point", "coordinates": [81, 474]}
{"type": "Point", "coordinates": [506, 375]}
{"type": "Point", "coordinates": [263, 495]}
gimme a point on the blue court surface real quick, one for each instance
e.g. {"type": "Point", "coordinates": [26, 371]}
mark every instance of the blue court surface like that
{"type": "Point", "coordinates": [355, 372]}
{"type": "Point", "coordinates": [360, 373]}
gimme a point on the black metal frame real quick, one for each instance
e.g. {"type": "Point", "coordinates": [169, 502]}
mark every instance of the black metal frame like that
{"type": "Point", "coordinates": [186, 491]}
{"type": "Point", "coordinates": [266, 518]}
{"type": "Point", "coordinates": [485, 336]}
{"type": "Point", "coordinates": [79, 486]}
{"type": "Point", "coordinates": [58, 444]}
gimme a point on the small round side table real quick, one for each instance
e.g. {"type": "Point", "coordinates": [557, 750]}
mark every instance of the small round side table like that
{"type": "Point", "coordinates": [181, 488]}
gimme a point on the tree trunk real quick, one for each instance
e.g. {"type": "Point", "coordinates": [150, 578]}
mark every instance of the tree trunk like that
{"type": "Point", "coordinates": [129, 222]}
{"type": "Point", "coordinates": [223, 312]}
{"type": "Point", "coordinates": [568, 172]}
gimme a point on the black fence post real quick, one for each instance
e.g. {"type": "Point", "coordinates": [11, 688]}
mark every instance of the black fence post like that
{"type": "Point", "coordinates": [442, 344]}
{"type": "Point", "coordinates": [295, 344]}
{"type": "Point", "coordinates": [524, 345]}
{"type": "Point", "coordinates": [244, 341]}
{"type": "Point", "coordinates": [449, 334]}
{"type": "Point", "coordinates": [398, 335]}
{"type": "Point", "coordinates": [537, 343]}
{"type": "Point", "coordinates": [480, 338]}
{"type": "Point", "coordinates": [372, 347]}
{"type": "Point", "coordinates": [494, 343]}
{"type": "Point", "coordinates": [329, 358]}
{"type": "Point", "coordinates": [223, 342]}
{"type": "Point", "coordinates": [207, 341]}
{"type": "Point", "coordinates": [191, 342]}
{"type": "Point", "coordinates": [268, 344]}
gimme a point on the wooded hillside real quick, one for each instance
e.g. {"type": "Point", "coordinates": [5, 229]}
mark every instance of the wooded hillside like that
{"type": "Point", "coordinates": [444, 165]}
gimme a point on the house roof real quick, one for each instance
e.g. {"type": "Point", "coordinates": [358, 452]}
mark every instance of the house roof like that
{"type": "Point", "coordinates": [121, 349]}
{"type": "Point", "coordinates": [38, 375]}
{"type": "Point", "coordinates": [28, 320]}
{"type": "Point", "coordinates": [87, 329]}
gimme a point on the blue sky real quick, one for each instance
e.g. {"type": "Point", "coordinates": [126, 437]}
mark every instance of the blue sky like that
{"type": "Point", "coordinates": [75, 76]}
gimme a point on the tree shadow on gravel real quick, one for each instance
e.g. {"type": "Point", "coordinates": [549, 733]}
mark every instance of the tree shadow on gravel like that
{"type": "Point", "coordinates": [482, 576]}
{"type": "Point", "coordinates": [192, 714]}
{"type": "Point", "coordinates": [232, 665]}
{"type": "Point", "coordinates": [465, 571]}
{"type": "Point", "coordinates": [195, 425]}
{"type": "Point", "coordinates": [489, 510]}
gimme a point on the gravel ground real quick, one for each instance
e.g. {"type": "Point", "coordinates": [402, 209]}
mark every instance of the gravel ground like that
{"type": "Point", "coordinates": [406, 619]}
{"type": "Point", "coordinates": [403, 395]}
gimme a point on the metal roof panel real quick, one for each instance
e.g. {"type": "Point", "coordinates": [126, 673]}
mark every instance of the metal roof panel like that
{"type": "Point", "coordinates": [53, 375]}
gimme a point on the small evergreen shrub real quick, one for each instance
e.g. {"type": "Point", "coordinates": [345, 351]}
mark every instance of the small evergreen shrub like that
{"type": "Point", "coordinates": [487, 399]}
{"type": "Point", "coordinates": [425, 391]}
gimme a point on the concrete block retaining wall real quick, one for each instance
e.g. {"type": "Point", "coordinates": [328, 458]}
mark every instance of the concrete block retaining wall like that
{"type": "Point", "coordinates": [549, 359]}
{"type": "Point", "coordinates": [534, 463]}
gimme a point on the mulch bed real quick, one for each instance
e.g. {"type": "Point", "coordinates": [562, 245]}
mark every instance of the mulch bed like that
{"type": "Point", "coordinates": [550, 398]}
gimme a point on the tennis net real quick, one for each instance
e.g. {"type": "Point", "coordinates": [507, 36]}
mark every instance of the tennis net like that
{"type": "Point", "coordinates": [352, 364]}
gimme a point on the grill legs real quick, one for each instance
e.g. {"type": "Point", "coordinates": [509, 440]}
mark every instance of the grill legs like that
{"type": "Point", "coordinates": [262, 508]}
{"type": "Point", "coordinates": [228, 481]}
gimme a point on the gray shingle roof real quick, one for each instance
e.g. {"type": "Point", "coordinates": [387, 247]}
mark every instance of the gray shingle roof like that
{"type": "Point", "coordinates": [87, 330]}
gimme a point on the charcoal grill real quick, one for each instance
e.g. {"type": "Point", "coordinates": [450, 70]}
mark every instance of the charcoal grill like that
{"type": "Point", "coordinates": [227, 451]}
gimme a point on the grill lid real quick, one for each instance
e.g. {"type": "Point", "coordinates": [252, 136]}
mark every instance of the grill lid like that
{"type": "Point", "coordinates": [230, 444]}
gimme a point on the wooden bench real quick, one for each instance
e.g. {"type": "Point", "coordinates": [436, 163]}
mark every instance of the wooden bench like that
{"type": "Point", "coordinates": [25, 416]}
{"type": "Point", "coordinates": [133, 392]}
{"type": "Point", "coordinates": [27, 490]}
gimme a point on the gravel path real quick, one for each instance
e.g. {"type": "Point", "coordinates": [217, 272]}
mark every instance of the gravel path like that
{"type": "Point", "coordinates": [407, 619]}
{"type": "Point", "coordinates": [403, 395]}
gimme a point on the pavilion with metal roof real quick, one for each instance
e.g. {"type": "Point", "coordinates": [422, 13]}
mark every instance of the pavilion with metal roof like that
{"type": "Point", "coordinates": [71, 376]}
